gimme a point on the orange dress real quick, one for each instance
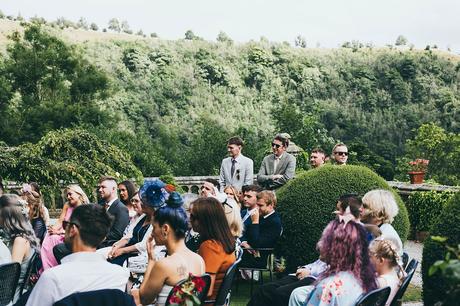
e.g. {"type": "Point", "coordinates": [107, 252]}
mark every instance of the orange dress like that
{"type": "Point", "coordinates": [217, 261]}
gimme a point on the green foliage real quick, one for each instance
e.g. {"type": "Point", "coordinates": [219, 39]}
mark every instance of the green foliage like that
{"type": "Point", "coordinates": [46, 86]}
{"type": "Point", "coordinates": [447, 225]}
{"type": "Point", "coordinates": [307, 202]}
{"type": "Point", "coordinates": [424, 208]}
{"type": "Point", "coordinates": [441, 148]}
{"type": "Point", "coordinates": [66, 156]}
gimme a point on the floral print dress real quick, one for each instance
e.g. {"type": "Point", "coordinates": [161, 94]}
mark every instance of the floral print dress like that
{"type": "Point", "coordinates": [341, 289]}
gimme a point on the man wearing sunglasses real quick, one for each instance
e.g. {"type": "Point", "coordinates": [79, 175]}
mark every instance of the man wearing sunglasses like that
{"type": "Point", "coordinates": [236, 170]}
{"type": "Point", "coordinates": [340, 154]}
{"type": "Point", "coordinates": [277, 168]}
{"type": "Point", "coordinates": [84, 269]}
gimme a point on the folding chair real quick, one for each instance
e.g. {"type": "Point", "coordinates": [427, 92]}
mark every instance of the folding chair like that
{"type": "Point", "coordinates": [10, 277]}
{"type": "Point", "coordinates": [268, 268]}
{"type": "Point", "coordinates": [377, 297]}
{"type": "Point", "coordinates": [225, 290]}
{"type": "Point", "coordinates": [410, 270]}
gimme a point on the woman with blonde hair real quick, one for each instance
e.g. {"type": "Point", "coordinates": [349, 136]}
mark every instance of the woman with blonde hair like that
{"type": "Point", "coordinates": [75, 197]}
{"type": "Point", "coordinates": [233, 193]}
{"type": "Point", "coordinates": [233, 216]}
{"type": "Point", "coordinates": [380, 209]}
{"type": "Point", "coordinates": [385, 258]}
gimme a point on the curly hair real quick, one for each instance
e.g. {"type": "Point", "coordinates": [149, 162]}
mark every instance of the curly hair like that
{"type": "Point", "coordinates": [344, 247]}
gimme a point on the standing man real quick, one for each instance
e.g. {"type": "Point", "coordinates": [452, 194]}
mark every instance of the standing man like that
{"type": "Point", "coordinates": [277, 168]}
{"type": "Point", "coordinates": [317, 157]}
{"type": "Point", "coordinates": [84, 269]}
{"type": "Point", "coordinates": [107, 189]}
{"type": "Point", "coordinates": [236, 170]}
{"type": "Point", "coordinates": [340, 154]}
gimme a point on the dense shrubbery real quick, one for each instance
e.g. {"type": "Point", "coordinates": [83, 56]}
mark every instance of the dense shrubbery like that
{"type": "Point", "coordinates": [424, 208]}
{"type": "Point", "coordinates": [307, 202]}
{"type": "Point", "coordinates": [66, 156]}
{"type": "Point", "coordinates": [447, 225]}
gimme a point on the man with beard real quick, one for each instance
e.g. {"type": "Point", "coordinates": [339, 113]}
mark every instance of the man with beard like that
{"type": "Point", "coordinates": [84, 269]}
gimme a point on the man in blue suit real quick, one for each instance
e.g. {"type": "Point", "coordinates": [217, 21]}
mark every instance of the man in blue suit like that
{"type": "Point", "coordinates": [236, 170]}
{"type": "Point", "coordinates": [250, 204]}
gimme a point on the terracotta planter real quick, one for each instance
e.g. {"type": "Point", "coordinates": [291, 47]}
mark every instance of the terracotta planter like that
{"type": "Point", "coordinates": [416, 177]}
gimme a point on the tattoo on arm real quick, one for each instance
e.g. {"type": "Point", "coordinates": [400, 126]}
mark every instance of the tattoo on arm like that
{"type": "Point", "coordinates": [181, 270]}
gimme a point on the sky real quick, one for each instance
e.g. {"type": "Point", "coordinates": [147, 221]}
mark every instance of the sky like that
{"type": "Point", "coordinates": [326, 23]}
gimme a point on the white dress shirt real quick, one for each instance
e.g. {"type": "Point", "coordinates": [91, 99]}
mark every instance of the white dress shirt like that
{"type": "Point", "coordinates": [79, 272]}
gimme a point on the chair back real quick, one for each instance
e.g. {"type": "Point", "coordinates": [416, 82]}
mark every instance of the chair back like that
{"type": "Point", "coordinates": [412, 265]}
{"type": "Point", "coordinates": [377, 297]}
{"type": "Point", "coordinates": [225, 290]}
{"type": "Point", "coordinates": [32, 263]}
{"type": "Point", "coordinates": [104, 297]}
{"type": "Point", "coordinates": [405, 259]}
{"type": "Point", "coordinates": [200, 296]}
{"type": "Point", "coordinates": [10, 277]}
{"type": "Point", "coordinates": [410, 270]}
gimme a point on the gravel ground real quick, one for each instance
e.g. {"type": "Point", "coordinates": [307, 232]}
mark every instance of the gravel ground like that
{"type": "Point", "coordinates": [414, 249]}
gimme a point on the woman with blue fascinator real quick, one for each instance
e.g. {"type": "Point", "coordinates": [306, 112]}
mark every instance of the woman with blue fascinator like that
{"type": "Point", "coordinates": [169, 226]}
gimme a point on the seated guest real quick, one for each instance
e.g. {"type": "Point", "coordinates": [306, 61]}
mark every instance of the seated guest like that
{"type": "Point", "coordinates": [233, 193]}
{"type": "Point", "coordinates": [385, 259]}
{"type": "Point", "coordinates": [218, 246]}
{"type": "Point", "coordinates": [249, 203]}
{"type": "Point", "coordinates": [233, 215]}
{"type": "Point", "coordinates": [344, 248]}
{"type": "Point", "coordinates": [84, 269]}
{"type": "Point", "coordinates": [20, 237]}
{"type": "Point", "coordinates": [263, 232]}
{"type": "Point", "coordinates": [278, 292]}
{"type": "Point", "coordinates": [169, 227]}
{"type": "Point", "coordinates": [127, 190]}
{"type": "Point", "coordinates": [108, 193]}
{"type": "Point", "coordinates": [380, 208]}
{"type": "Point", "coordinates": [277, 168]}
{"type": "Point", "coordinates": [38, 213]}
{"type": "Point", "coordinates": [137, 240]}
{"type": "Point", "coordinates": [210, 187]}
{"type": "Point", "coordinates": [75, 197]}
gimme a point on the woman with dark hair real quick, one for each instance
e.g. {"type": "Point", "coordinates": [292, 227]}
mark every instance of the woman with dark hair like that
{"type": "Point", "coordinates": [169, 227]}
{"type": "Point", "coordinates": [218, 243]}
{"type": "Point", "coordinates": [21, 238]}
{"type": "Point", "coordinates": [135, 241]}
{"type": "Point", "coordinates": [38, 214]}
{"type": "Point", "coordinates": [127, 189]}
{"type": "Point", "coordinates": [345, 249]}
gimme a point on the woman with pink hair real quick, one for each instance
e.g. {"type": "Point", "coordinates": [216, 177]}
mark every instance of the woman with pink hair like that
{"type": "Point", "coordinates": [350, 273]}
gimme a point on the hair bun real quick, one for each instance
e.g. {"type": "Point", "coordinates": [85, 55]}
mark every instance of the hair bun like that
{"type": "Point", "coordinates": [153, 193]}
{"type": "Point", "coordinates": [175, 200]}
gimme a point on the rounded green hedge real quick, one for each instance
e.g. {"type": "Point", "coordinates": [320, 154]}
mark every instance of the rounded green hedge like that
{"type": "Point", "coordinates": [306, 205]}
{"type": "Point", "coordinates": [446, 225]}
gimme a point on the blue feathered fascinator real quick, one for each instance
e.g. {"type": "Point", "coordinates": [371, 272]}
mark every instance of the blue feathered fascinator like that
{"type": "Point", "coordinates": [153, 193]}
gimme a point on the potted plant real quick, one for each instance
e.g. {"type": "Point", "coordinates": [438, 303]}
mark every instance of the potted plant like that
{"type": "Point", "coordinates": [418, 169]}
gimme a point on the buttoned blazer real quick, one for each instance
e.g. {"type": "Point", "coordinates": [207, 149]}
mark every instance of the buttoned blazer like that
{"type": "Point", "coordinates": [286, 167]}
{"type": "Point", "coordinates": [244, 166]}
{"type": "Point", "coordinates": [120, 216]}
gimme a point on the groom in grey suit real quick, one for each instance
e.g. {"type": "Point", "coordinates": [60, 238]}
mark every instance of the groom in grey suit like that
{"type": "Point", "coordinates": [236, 170]}
{"type": "Point", "coordinates": [279, 167]}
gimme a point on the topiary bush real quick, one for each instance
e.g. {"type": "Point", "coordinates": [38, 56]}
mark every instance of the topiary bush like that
{"type": "Point", "coordinates": [306, 205]}
{"type": "Point", "coordinates": [424, 208]}
{"type": "Point", "coordinates": [447, 225]}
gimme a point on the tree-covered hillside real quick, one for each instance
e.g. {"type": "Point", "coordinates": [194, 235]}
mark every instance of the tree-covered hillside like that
{"type": "Point", "coordinates": [172, 104]}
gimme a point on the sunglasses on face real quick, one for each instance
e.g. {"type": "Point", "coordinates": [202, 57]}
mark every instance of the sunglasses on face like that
{"type": "Point", "coordinates": [341, 153]}
{"type": "Point", "coordinates": [276, 145]}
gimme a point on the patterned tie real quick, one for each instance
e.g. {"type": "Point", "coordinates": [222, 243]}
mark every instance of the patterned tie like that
{"type": "Point", "coordinates": [232, 170]}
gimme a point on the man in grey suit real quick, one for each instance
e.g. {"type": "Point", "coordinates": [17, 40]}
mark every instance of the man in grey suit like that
{"type": "Point", "coordinates": [236, 170]}
{"type": "Point", "coordinates": [279, 167]}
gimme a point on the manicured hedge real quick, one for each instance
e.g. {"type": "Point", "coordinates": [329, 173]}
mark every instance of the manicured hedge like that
{"type": "Point", "coordinates": [447, 225]}
{"type": "Point", "coordinates": [424, 208]}
{"type": "Point", "coordinates": [307, 202]}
